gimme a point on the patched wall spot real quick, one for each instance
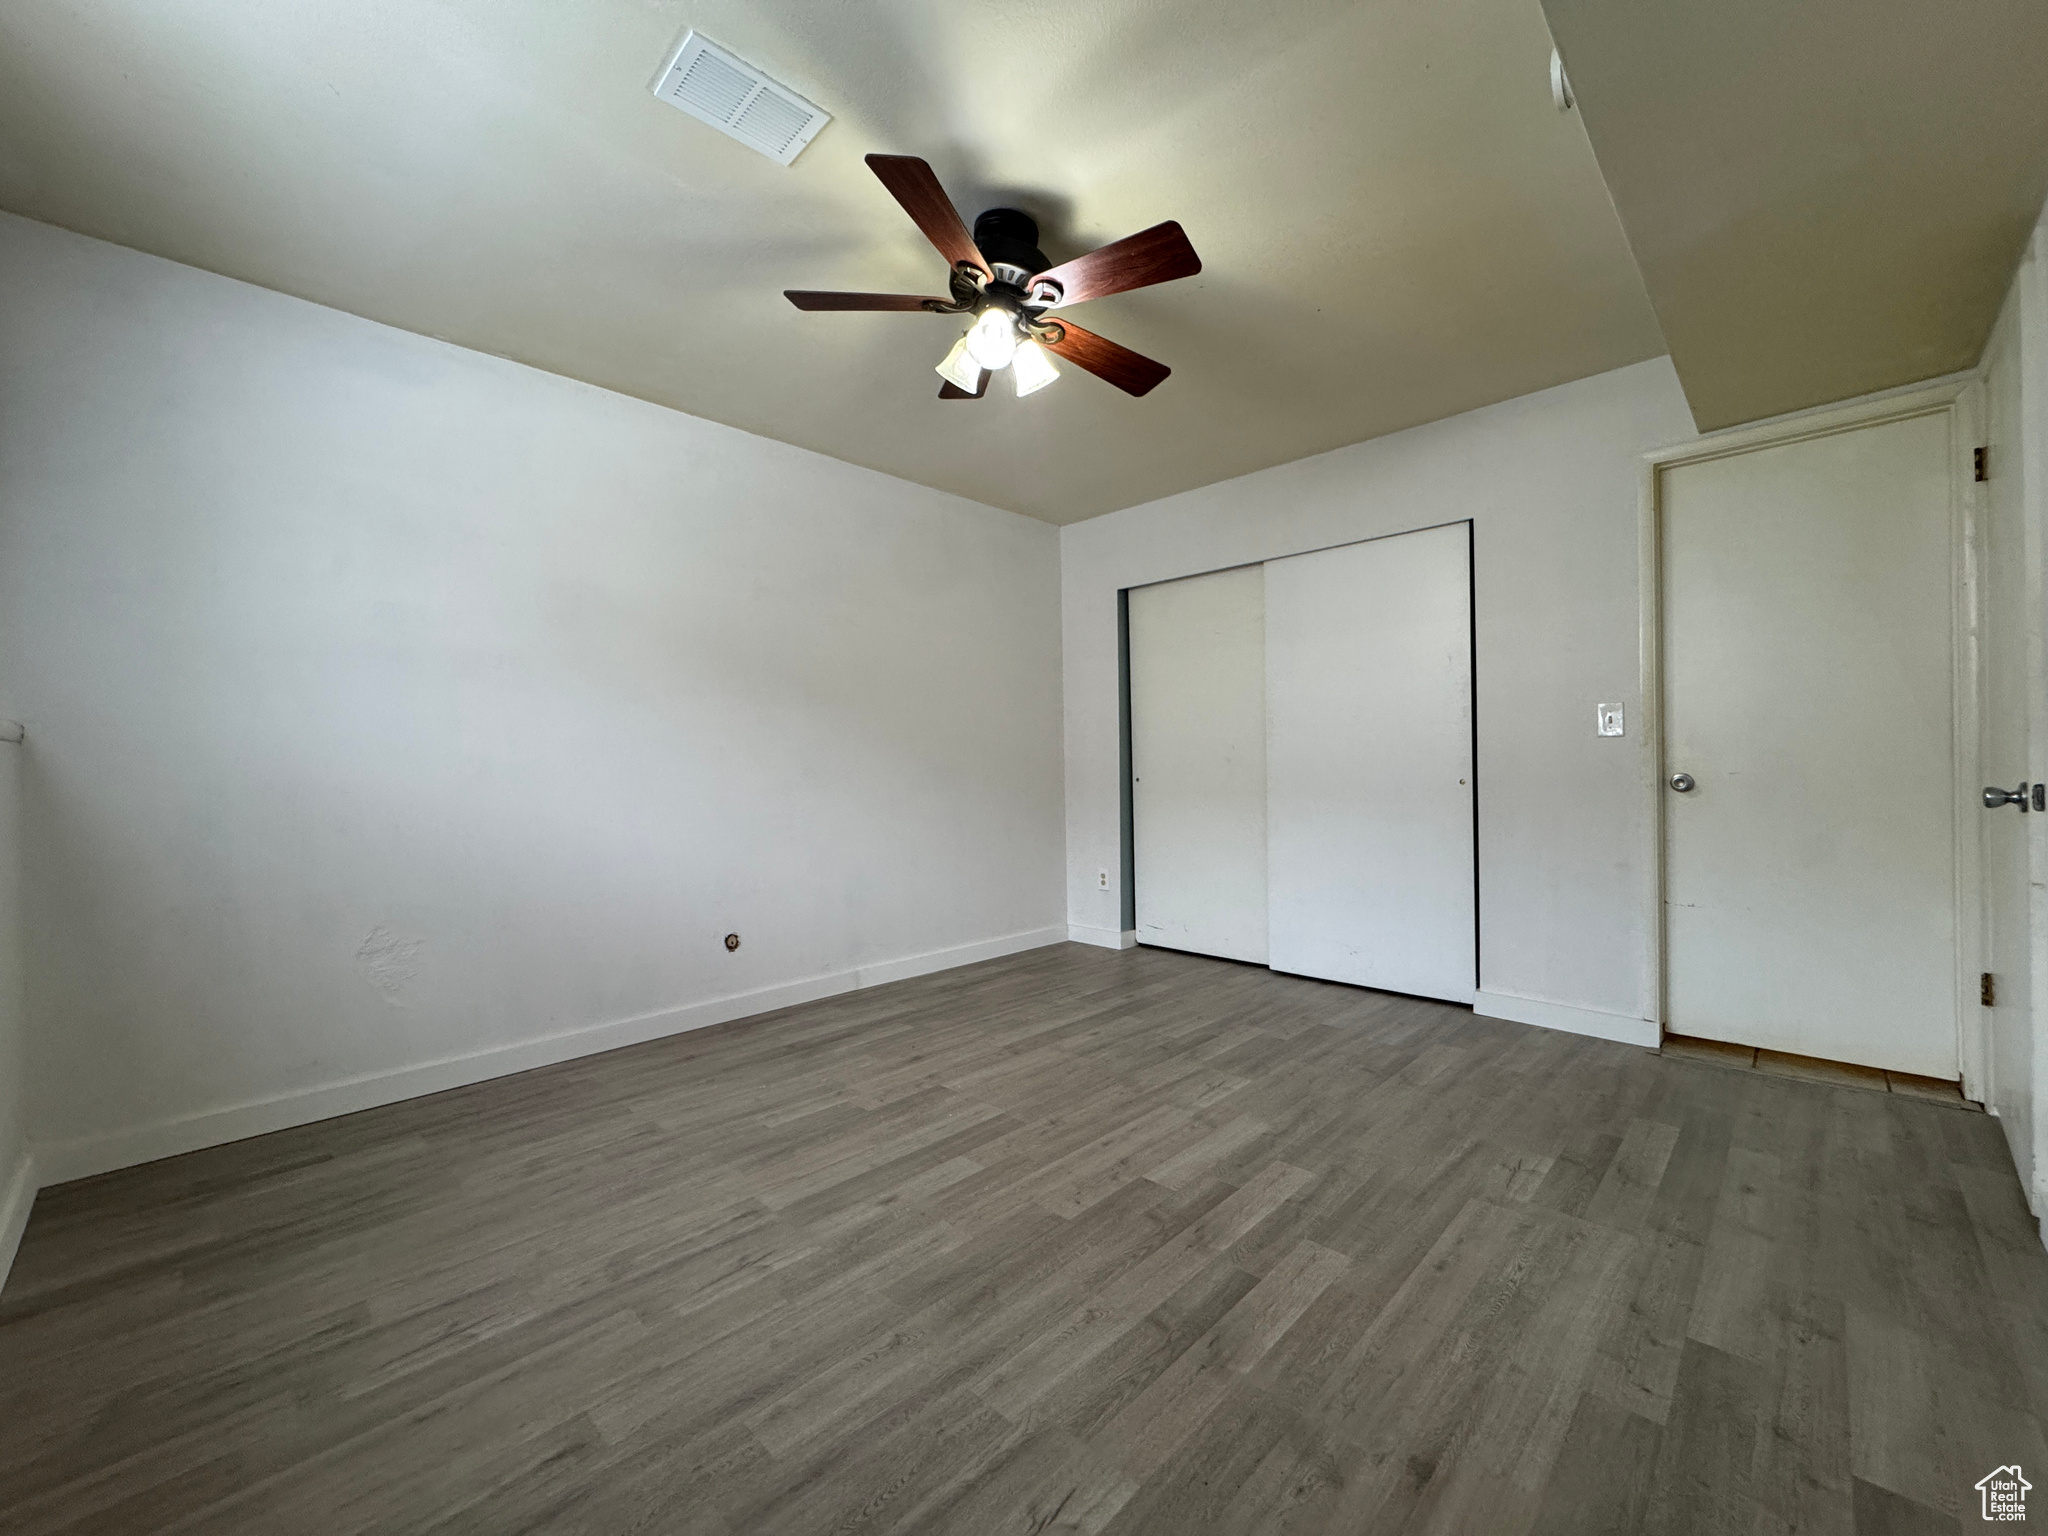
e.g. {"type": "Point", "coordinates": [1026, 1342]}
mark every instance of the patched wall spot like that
{"type": "Point", "coordinates": [389, 961]}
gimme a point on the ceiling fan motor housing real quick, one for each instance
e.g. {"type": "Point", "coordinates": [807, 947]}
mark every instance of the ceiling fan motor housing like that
{"type": "Point", "coordinates": [1008, 239]}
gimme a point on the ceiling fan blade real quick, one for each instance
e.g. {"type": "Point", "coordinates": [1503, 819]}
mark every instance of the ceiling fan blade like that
{"type": "Point", "coordinates": [1127, 370]}
{"type": "Point", "coordinates": [911, 182]}
{"type": "Point", "coordinates": [805, 298]}
{"type": "Point", "coordinates": [1156, 255]}
{"type": "Point", "coordinates": [951, 391]}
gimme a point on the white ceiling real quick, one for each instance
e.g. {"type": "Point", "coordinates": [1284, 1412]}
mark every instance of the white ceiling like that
{"type": "Point", "coordinates": [1396, 225]}
{"type": "Point", "coordinates": [1827, 198]}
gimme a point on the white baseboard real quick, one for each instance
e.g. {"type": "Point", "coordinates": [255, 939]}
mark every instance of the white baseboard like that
{"type": "Point", "coordinates": [1103, 938]}
{"type": "Point", "coordinates": [15, 1202]}
{"type": "Point", "coordinates": [60, 1161]}
{"type": "Point", "coordinates": [1570, 1017]}
{"type": "Point", "coordinates": [960, 954]}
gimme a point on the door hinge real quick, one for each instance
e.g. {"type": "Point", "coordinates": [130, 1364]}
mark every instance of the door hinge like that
{"type": "Point", "coordinates": [1987, 990]}
{"type": "Point", "coordinates": [1980, 457]}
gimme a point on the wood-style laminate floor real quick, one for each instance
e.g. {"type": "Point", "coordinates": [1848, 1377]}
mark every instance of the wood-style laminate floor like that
{"type": "Point", "coordinates": [1072, 1241]}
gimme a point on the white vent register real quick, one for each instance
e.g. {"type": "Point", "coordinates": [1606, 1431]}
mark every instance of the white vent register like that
{"type": "Point", "coordinates": [731, 95]}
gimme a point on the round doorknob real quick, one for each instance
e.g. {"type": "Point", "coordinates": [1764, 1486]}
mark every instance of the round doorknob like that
{"type": "Point", "coordinates": [1682, 782]}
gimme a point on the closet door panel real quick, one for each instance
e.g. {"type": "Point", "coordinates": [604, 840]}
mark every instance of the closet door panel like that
{"type": "Point", "coordinates": [1198, 763]}
{"type": "Point", "coordinates": [1369, 764]}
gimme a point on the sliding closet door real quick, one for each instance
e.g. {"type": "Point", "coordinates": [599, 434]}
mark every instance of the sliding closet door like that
{"type": "Point", "coordinates": [1369, 764]}
{"type": "Point", "coordinates": [1198, 763]}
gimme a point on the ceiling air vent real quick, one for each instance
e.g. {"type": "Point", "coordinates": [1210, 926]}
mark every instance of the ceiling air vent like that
{"type": "Point", "coordinates": [738, 100]}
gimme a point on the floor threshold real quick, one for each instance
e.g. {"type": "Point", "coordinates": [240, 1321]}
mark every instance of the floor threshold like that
{"type": "Point", "coordinates": [1817, 1069]}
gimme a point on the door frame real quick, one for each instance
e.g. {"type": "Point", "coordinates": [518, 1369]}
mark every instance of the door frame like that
{"type": "Point", "coordinates": [1961, 401]}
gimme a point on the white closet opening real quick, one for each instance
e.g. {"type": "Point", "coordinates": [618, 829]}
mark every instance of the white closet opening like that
{"type": "Point", "coordinates": [1301, 754]}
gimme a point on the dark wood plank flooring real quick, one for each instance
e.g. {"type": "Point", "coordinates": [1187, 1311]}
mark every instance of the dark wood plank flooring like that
{"type": "Point", "coordinates": [1075, 1241]}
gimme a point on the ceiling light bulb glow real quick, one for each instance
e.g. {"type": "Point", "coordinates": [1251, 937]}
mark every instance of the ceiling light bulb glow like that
{"type": "Point", "coordinates": [993, 341]}
{"type": "Point", "coordinates": [1032, 369]}
{"type": "Point", "coordinates": [960, 369]}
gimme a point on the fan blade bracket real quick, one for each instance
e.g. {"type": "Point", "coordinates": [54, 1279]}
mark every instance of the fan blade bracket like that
{"type": "Point", "coordinates": [966, 283]}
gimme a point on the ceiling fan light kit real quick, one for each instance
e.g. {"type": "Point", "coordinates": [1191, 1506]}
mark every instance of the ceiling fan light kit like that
{"type": "Point", "coordinates": [1001, 278]}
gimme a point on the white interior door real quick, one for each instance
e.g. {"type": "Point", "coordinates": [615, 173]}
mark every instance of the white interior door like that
{"type": "Point", "coordinates": [1810, 870]}
{"type": "Point", "coordinates": [1370, 875]}
{"type": "Point", "coordinates": [1198, 763]}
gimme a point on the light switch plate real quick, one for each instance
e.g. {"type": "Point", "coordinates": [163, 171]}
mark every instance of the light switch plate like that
{"type": "Point", "coordinates": [1609, 720]}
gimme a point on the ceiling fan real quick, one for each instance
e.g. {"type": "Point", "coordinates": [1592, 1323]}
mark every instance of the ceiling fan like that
{"type": "Point", "coordinates": [1001, 278]}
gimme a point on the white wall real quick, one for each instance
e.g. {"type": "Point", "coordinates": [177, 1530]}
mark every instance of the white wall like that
{"type": "Point", "coordinates": [2016, 370]}
{"type": "Point", "coordinates": [1551, 482]}
{"type": "Point", "coordinates": [391, 705]}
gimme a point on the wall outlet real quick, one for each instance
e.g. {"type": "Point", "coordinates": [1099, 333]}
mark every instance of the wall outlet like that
{"type": "Point", "coordinates": [1608, 720]}
{"type": "Point", "coordinates": [1102, 879]}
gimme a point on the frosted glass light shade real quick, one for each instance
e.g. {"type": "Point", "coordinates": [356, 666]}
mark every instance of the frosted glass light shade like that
{"type": "Point", "coordinates": [960, 369]}
{"type": "Point", "coordinates": [1032, 369]}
